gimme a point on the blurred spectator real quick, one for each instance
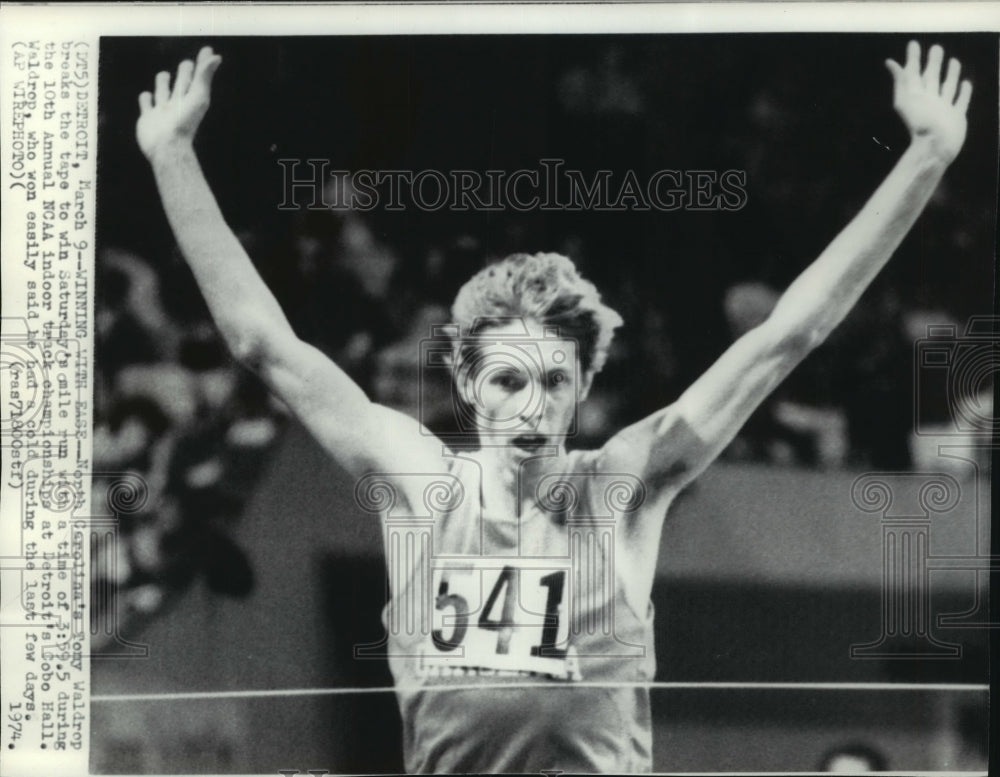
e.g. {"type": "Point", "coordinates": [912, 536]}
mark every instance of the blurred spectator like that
{"type": "Point", "coordinates": [174, 410]}
{"type": "Point", "coordinates": [129, 319]}
{"type": "Point", "coordinates": [338, 291]}
{"type": "Point", "coordinates": [874, 382]}
{"type": "Point", "coordinates": [401, 383]}
{"type": "Point", "coordinates": [607, 88]}
{"type": "Point", "coordinates": [952, 394]}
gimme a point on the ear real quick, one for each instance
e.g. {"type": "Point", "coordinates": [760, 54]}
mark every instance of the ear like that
{"type": "Point", "coordinates": [586, 383]}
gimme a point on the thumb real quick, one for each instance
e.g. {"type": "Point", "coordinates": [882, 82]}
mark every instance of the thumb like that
{"type": "Point", "coordinates": [895, 68]}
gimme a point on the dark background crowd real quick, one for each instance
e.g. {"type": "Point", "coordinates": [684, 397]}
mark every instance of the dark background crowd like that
{"type": "Point", "coordinates": [808, 118]}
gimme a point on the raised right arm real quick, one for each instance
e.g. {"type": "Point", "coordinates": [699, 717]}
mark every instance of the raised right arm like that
{"type": "Point", "coordinates": [363, 436]}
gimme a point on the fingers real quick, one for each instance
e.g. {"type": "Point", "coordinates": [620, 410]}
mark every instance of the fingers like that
{"type": "Point", "coordinates": [189, 74]}
{"type": "Point", "coordinates": [931, 78]}
{"type": "Point", "coordinates": [932, 73]}
{"type": "Point", "coordinates": [898, 74]}
{"type": "Point", "coordinates": [906, 78]}
{"type": "Point", "coordinates": [208, 63]}
{"type": "Point", "coordinates": [913, 59]}
{"type": "Point", "coordinates": [950, 84]}
{"type": "Point", "coordinates": [964, 95]}
{"type": "Point", "coordinates": [162, 88]}
{"type": "Point", "coordinates": [185, 71]}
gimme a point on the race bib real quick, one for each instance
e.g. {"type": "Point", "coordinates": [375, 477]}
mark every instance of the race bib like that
{"type": "Point", "coordinates": [500, 616]}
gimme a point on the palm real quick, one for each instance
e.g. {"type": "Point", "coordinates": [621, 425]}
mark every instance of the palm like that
{"type": "Point", "coordinates": [167, 116]}
{"type": "Point", "coordinates": [929, 106]}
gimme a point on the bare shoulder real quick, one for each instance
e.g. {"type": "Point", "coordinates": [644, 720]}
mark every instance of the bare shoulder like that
{"type": "Point", "coordinates": [657, 449]}
{"type": "Point", "coordinates": [600, 486]}
{"type": "Point", "coordinates": [398, 480]}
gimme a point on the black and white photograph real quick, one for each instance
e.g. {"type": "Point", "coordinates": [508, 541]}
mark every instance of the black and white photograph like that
{"type": "Point", "coordinates": [489, 402]}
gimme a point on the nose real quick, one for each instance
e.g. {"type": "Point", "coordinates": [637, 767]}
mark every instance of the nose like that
{"type": "Point", "coordinates": [523, 404]}
{"type": "Point", "coordinates": [530, 420]}
{"type": "Point", "coordinates": [531, 404]}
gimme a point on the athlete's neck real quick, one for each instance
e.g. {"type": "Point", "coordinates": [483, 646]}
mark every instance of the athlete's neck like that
{"type": "Point", "coordinates": [511, 483]}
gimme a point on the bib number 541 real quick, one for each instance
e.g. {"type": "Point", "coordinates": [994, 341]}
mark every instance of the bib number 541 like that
{"type": "Point", "coordinates": [507, 585]}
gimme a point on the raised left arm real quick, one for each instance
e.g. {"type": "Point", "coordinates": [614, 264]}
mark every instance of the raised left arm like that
{"type": "Point", "coordinates": [674, 445]}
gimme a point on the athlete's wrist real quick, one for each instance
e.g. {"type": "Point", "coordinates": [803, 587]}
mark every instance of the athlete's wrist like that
{"type": "Point", "coordinates": [171, 154]}
{"type": "Point", "coordinates": [930, 152]}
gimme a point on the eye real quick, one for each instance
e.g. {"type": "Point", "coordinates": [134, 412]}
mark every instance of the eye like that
{"type": "Point", "coordinates": [557, 378]}
{"type": "Point", "coordinates": [508, 379]}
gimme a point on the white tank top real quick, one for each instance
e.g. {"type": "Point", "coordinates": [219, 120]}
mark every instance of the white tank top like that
{"type": "Point", "coordinates": [534, 607]}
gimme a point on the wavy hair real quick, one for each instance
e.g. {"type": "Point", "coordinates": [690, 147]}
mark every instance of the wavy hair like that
{"type": "Point", "coordinates": [546, 287]}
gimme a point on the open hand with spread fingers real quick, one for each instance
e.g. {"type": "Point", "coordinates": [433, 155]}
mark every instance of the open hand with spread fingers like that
{"type": "Point", "coordinates": [171, 116]}
{"type": "Point", "coordinates": [933, 110]}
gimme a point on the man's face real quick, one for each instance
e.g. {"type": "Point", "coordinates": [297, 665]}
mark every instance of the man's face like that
{"type": "Point", "coordinates": [524, 386]}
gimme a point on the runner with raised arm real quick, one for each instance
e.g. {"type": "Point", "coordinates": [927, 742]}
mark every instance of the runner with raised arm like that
{"type": "Point", "coordinates": [515, 595]}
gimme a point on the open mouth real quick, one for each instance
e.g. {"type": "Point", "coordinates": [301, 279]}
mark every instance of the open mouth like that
{"type": "Point", "coordinates": [529, 442]}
